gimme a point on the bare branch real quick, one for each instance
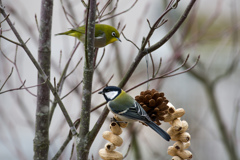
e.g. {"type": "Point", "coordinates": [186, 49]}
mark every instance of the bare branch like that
{"type": "Point", "coordinates": [6, 79]}
{"type": "Point", "coordinates": [168, 74]}
{"type": "Point", "coordinates": [10, 40]}
{"type": "Point", "coordinates": [14, 62]}
{"type": "Point", "coordinates": [84, 3]}
{"type": "Point", "coordinates": [72, 90]}
{"type": "Point", "coordinates": [73, 68]}
{"type": "Point", "coordinates": [104, 9]}
{"type": "Point", "coordinates": [36, 20]}
{"type": "Point", "coordinates": [185, 61]}
{"type": "Point", "coordinates": [22, 87]}
{"type": "Point", "coordinates": [4, 19]}
{"type": "Point", "coordinates": [120, 12]}
{"type": "Point", "coordinates": [113, 9]}
{"type": "Point", "coordinates": [41, 72]}
{"type": "Point", "coordinates": [155, 25]}
{"type": "Point", "coordinates": [100, 59]}
{"type": "Point", "coordinates": [103, 86]}
{"type": "Point", "coordinates": [130, 41]}
{"type": "Point", "coordinates": [129, 147]}
{"type": "Point", "coordinates": [159, 66]}
{"type": "Point", "coordinates": [68, 15]}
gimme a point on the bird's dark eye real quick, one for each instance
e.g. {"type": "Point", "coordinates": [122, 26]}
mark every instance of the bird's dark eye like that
{"type": "Point", "coordinates": [113, 34]}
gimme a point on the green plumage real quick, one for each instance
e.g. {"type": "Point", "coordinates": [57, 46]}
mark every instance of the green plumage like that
{"type": "Point", "coordinates": [104, 34]}
{"type": "Point", "coordinates": [122, 102]}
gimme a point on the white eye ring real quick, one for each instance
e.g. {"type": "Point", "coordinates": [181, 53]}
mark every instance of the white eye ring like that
{"type": "Point", "coordinates": [113, 34]}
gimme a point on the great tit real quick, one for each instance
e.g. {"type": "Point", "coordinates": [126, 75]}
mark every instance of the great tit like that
{"type": "Point", "coordinates": [128, 110]}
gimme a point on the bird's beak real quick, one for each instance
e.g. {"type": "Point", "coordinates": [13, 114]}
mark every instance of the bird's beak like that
{"type": "Point", "coordinates": [119, 39]}
{"type": "Point", "coordinates": [101, 92]}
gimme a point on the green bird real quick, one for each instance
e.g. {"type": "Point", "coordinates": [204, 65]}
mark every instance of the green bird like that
{"type": "Point", "coordinates": [104, 34]}
{"type": "Point", "coordinates": [128, 110]}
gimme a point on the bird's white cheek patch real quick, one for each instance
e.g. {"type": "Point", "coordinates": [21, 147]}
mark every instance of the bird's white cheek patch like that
{"type": "Point", "coordinates": [111, 95]}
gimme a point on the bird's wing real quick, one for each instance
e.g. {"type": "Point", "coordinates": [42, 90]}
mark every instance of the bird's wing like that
{"type": "Point", "coordinates": [135, 112]}
{"type": "Point", "coordinates": [100, 35]}
{"type": "Point", "coordinates": [79, 29]}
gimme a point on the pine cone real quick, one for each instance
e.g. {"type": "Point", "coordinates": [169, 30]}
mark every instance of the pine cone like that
{"type": "Point", "coordinates": [154, 103]}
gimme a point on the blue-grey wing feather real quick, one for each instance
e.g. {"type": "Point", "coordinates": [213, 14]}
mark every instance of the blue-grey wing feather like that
{"type": "Point", "coordinates": [136, 112]}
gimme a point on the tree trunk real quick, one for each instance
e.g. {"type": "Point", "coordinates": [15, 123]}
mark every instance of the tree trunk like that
{"type": "Point", "coordinates": [41, 140]}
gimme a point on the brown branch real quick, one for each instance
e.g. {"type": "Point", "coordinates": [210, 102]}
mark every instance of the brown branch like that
{"type": "Point", "coordinates": [84, 143]}
{"type": "Point", "coordinates": [129, 147]}
{"type": "Point", "coordinates": [73, 68]}
{"type": "Point", "coordinates": [120, 12]}
{"type": "Point", "coordinates": [113, 9]}
{"type": "Point", "coordinates": [37, 23]}
{"type": "Point", "coordinates": [173, 30]}
{"type": "Point", "coordinates": [14, 62]}
{"type": "Point", "coordinates": [68, 15]}
{"type": "Point", "coordinates": [104, 9]}
{"type": "Point", "coordinates": [103, 86]}
{"type": "Point", "coordinates": [154, 27]}
{"type": "Point", "coordinates": [159, 66]}
{"type": "Point", "coordinates": [100, 59]}
{"type": "Point", "coordinates": [41, 72]}
{"type": "Point", "coordinates": [4, 19]}
{"type": "Point", "coordinates": [6, 79]}
{"type": "Point", "coordinates": [22, 87]}
{"type": "Point", "coordinates": [130, 41]}
{"type": "Point", "coordinates": [60, 83]}
{"type": "Point", "coordinates": [10, 40]}
{"type": "Point", "coordinates": [169, 74]}
{"type": "Point", "coordinates": [41, 137]}
{"type": "Point", "coordinates": [72, 90]}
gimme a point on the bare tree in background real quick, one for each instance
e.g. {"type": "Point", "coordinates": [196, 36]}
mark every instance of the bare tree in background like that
{"type": "Point", "coordinates": [98, 12]}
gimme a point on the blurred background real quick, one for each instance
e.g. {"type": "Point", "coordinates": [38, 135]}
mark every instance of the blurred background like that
{"type": "Point", "coordinates": [209, 94]}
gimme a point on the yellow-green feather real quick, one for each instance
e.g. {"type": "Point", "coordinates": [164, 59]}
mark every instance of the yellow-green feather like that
{"type": "Point", "coordinates": [122, 102]}
{"type": "Point", "coordinates": [100, 29]}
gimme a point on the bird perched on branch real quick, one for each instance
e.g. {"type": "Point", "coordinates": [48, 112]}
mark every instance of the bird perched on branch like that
{"type": "Point", "coordinates": [127, 109]}
{"type": "Point", "coordinates": [104, 34]}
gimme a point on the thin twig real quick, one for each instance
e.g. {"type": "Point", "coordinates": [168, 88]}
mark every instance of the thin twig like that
{"type": "Point", "coordinates": [36, 20]}
{"type": "Point", "coordinates": [72, 90]}
{"type": "Point", "coordinates": [130, 41]}
{"type": "Point", "coordinates": [74, 68]}
{"type": "Point", "coordinates": [168, 74]}
{"type": "Point", "coordinates": [11, 40]}
{"type": "Point", "coordinates": [185, 61]}
{"type": "Point", "coordinates": [100, 59]}
{"type": "Point", "coordinates": [68, 15]}
{"type": "Point", "coordinates": [120, 12]}
{"type": "Point", "coordinates": [40, 70]}
{"type": "Point", "coordinates": [186, 70]}
{"type": "Point", "coordinates": [129, 147]}
{"type": "Point", "coordinates": [22, 87]}
{"type": "Point", "coordinates": [7, 79]}
{"type": "Point", "coordinates": [153, 65]}
{"type": "Point", "coordinates": [14, 62]}
{"type": "Point", "coordinates": [154, 27]}
{"type": "Point", "coordinates": [159, 66]}
{"type": "Point", "coordinates": [111, 11]}
{"type": "Point", "coordinates": [104, 9]}
{"type": "Point", "coordinates": [122, 28]}
{"type": "Point", "coordinates": [104, 85]}
{"type": "Point", "coordinates": [4, 19]}
{"type": "Point", "coordinates": [84, 3]}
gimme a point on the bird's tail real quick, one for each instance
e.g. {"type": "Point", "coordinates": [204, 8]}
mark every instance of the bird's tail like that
{"type": "Point", "coordinates": [159, 130]}
{"type": "Point", "coordinates": [69, 33]}
{"type": "Point", "coordinates": [64, 33]}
